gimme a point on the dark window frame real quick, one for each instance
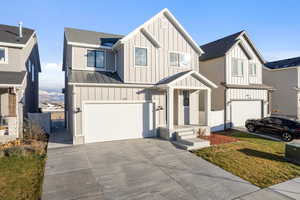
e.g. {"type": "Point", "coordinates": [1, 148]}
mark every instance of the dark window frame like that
{"type": "Point", "coordinates": [94, 52]}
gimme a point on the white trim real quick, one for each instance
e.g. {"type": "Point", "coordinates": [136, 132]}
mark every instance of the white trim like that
{"type": "Point", "coordinates": [104, 62]}
{"type": "Point", "coordinates": [5, 55]}
{"type": "Point", "coordinates": [280, 69]}
{"type": "Point", "coordinates": [147, 60]}
{"type": "Point", "coordinates": [173, 20]}
{"type": "Point", "coordinates": [87, 45]}
{"type": "Point", "coordinates": [180, 67]}
{"type": "Point", "coordinates": [91, 69]}
{"type": "Point", "coordinates": [254, 47]}
{"type": "Point", "coordinates": [115, 101]}
{"type": "Point", "coordinates": [197, 74]}
{"type": "Point", "coordinates": [12, 45]}
{"type": "Point", "coordinates": [190, 88]}
{"type": "Point", "coordinates": [150, 37]}
{"type": "Point", "coordinates": [112, 85]}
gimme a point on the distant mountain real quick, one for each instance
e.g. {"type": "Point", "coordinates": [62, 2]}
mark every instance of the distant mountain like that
{"type": "Point", "coordinates": [51, 96]}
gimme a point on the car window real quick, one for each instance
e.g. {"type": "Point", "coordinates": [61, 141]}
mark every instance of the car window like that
{"type": "Point", "coordinates": [277, 121]}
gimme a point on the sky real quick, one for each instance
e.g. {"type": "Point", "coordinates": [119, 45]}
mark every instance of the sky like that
{"type": "Point", "coordinates": [273, 25]}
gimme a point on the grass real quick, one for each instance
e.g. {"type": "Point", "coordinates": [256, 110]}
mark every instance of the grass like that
{"type": "Point", "coordinates": [257, 160]}
{"type": "Point", "coordinates": [21, 177]}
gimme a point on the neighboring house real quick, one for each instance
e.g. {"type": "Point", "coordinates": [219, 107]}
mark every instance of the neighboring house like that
{"type": "Point", "coordinates": [19, 68]}
{"type": "Point", "coordinates": [284, 75]}
{"type": "Point", "coordinates": [122, 87]}
{"type": "Point", "coordinates": [235, 65]}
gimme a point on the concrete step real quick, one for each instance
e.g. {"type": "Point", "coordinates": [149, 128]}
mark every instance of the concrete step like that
{"type": "Point", "coordinates": [199, 145]}
{"type": "Point", "coordinates": [183, 137]}
{"type": "Point", "coordinates": [192, 141]}
{"type": "Point", "coordinates": [184, 133]}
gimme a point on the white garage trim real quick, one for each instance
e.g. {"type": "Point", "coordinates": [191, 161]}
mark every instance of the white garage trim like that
{"type": "Point", "coordinates": [153, 114]}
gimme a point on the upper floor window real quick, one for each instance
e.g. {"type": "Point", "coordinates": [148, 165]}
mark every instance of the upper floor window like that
{"type": "Point", "coordinates": [3, 55]}
{"type": "Point", "coordinates": [237, 67]}
{"type": "Point", "coordinates": [180, 59]}
{"type": "Point", "coordinates": [32, 72]}
{"type": "Point", "coordinates": [95, 58]}
{"type": "Point", "coordinates": [252, 69]}
{"type": "Point", "coordinates": [140, 56]}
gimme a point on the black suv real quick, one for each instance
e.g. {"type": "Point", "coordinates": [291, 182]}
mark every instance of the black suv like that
{"type": "Point", "coordinates": [287, 128]}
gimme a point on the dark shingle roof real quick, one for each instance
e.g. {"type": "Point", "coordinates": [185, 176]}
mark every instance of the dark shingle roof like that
{"type": "Point", "coordinates": [173, 77]}
{"type": "Point", "coordinates": [90, 37]}
{"type": "Point", "coordinates": [219, 47]}
{"type": "Point", "coordinates": [286, 63]}
{"type": "Point", "coordinates": [10, 34]}
{"type": "Point", "coordinates": [12, 78]}
{"type": "Point", "coordinates": [78, 76]}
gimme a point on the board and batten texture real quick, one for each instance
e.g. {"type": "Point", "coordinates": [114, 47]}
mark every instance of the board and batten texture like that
{"type": "Point", "coordinates": [158, 66]}
{"type": "Point", "coordinates": [83, 94]}
{"type": "Point", "coordinates": [238, 52]}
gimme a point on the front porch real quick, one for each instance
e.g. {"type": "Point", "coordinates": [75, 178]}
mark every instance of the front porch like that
{"type": "Point", "coordinates": [8, 112]}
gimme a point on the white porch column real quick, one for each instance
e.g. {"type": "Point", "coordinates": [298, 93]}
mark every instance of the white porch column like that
{"type": "Point", "coordinates": [207, 106]}
{"type": "Point", "coordinates": [170, 108]}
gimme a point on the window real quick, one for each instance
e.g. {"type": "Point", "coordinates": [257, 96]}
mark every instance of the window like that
{"type": "Point", "coordinates": [186, 98]}
{"type": "Point", "coordinates": [252, 69]}
{"type": "Point", "coordinates": [95, 58]}
{"type": "Point", "coordinates": [3, 55]}
{"type": "Point", "coordinates": [32, 72]}
{"type": "Point", "coordinates": [180, 60]}
{"type": "Point", "coordinates": [140, 56]}
{"type": "Point", "coordinates": [237, 67]}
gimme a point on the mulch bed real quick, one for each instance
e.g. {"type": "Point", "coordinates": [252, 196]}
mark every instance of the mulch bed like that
{"type": "Point", "coordinates": [219, 138]}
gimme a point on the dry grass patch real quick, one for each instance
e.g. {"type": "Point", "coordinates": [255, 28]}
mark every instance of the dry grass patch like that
{"type": "Point", "coordinates": [255, 159]}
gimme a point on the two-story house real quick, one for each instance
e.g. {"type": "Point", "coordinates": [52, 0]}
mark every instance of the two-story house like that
{"type": "Point", "coordinates": [19, 68]}
{"type": "Point", "coordinates": [235, 65]}
{"type": "Point", "coordinates": [129, 86]}
{"type": "Point", "coordinates": [284, 75]}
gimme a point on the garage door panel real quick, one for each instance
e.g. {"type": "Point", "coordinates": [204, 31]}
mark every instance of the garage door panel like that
{"type": "Point", "coordinates": [107, 122]}
{"type": "Point", "coordinates": [243, 110]}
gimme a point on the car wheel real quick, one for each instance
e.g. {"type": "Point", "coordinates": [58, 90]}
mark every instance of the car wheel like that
{"type": "Point", "coordinates": [251, 128]}
{"type": "Point", "coordinates": [286, 136]}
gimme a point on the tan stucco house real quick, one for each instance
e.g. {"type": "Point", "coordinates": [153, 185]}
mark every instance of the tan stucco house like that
{"type": "Point", "coordinates": [235, 65]}
{"type": "Point", "coordinates": [143, 84]}
{"type": "Point", "coordinates": [284, 75]}
{"type": "Point", "coordinates": [19, 69]}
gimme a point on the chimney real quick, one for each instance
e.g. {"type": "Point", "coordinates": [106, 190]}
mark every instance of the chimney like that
{"type": "Point", "coordinates": [20, 29]}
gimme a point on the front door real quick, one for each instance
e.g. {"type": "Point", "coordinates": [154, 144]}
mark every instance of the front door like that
{"type": "Point", "coordinates": [186, 107]}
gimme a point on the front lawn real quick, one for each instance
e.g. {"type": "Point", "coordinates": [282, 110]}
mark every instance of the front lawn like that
{"type": "Point", "coordinates": [255, 159]}
{"type": "Point", "coordinates": [22, 164]}
{"type": "Point", "coordinates": [21, 177]}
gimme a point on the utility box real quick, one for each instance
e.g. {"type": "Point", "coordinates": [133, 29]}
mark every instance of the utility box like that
{"type": "Point", "coordinates": [292, 152]}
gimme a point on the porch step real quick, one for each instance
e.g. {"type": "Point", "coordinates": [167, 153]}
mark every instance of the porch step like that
{"type": "Point", "coordinates": [187, 136]}
{"type": "Point", "coordinates": [192, 144]}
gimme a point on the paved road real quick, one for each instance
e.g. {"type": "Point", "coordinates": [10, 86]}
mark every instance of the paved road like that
{"type": "Point", "coordinates": [140, 169]}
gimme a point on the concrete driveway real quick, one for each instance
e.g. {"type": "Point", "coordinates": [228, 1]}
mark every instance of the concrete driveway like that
{"type": "Point", "coordinates": [139, 169]}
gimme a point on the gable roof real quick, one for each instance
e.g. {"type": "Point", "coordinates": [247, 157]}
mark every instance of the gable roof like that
{"type": "Point", "coordinates": [174, 21]}
{"type": "Point", "coordinates": [12, 78]}
{"type": "Point", "coordinates": [220, 47]}
{"type": "Point", "coordinates": [182, 75]}
{"type": "Point", "coordinates": [80, 36]}
{"type": "Point", "coordinates": [10, 34]}
{"type": "Point", "coordinates": [285, 63]}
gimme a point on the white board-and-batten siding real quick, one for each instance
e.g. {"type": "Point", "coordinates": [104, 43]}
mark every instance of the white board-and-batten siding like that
{"type": "Point", "coordinates": [239, 53]}
{"type": "Point", "coordinates": [158, 66]}
{"type": "Point", "coordinates": [85, 94]}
